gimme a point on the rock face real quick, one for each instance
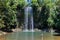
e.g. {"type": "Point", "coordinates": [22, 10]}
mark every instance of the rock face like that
{"type": "Point", "coordinates": [2, 33]}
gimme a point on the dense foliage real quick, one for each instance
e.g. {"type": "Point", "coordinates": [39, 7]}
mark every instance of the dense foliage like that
{"type": "Point", "coordinates": [46, 13]}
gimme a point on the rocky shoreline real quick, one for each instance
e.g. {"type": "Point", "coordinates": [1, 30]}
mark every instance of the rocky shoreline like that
{"type": "Point", "coordinates": [14, 30]}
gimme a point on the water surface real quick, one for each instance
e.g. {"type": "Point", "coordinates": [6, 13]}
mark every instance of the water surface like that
{"type": "Point", "coordinates": [30, 36]}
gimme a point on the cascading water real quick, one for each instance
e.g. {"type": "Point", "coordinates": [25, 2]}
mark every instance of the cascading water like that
{"type": "Point", "coordinates": [28, 17]}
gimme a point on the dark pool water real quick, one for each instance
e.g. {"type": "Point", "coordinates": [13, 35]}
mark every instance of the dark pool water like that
{"type": "Point", "coordinates": [29, 36]}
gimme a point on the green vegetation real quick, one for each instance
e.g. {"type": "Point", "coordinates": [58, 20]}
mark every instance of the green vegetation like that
{"type": "Point", "coordinates": [46, 13]}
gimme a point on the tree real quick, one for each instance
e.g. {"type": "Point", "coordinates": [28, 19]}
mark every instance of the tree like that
{"type": "Point", "coordinates": [57, 19]}
{"type": "Point", "coordinates": [8, 9]}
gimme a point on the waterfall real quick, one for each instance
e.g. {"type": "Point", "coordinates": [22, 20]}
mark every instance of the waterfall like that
{"type": "Point", "coordinates": [28, 20]}
{"type": "Point", "coordinates": [28, 15]}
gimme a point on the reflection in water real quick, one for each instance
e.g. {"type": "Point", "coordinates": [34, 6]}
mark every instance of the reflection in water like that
{"type": "Point", "coordinates": [24, 36]}
{"type": "Point", "coordinates": [52, 34]}
{"type": "Point", "coordinates": [28, 36]}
